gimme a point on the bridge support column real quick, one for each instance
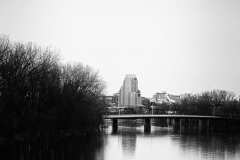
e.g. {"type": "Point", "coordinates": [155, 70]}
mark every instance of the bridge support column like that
{"type": "Point", "coordinates": [147, 125]}
{"type": "Point", "coordinates": [170, 121]}
{"type": "Point", "coordinates": [176, 125]}
{"type": "Point", "coordinates": [177, 122]}
{"type": "Point", "coordinates": [115, 126]}
{"type": "Point", "coordinates": [203, 124]}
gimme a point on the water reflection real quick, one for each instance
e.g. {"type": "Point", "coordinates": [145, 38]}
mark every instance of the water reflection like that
{"type": "Point", "coordinates": [210, 146]}
{"type": "Point", "coordinates": [70, 148]}
{"type": "Point", "coordinates": [128, 143]}
{"type": "Point", "coordinates": [131, 142]}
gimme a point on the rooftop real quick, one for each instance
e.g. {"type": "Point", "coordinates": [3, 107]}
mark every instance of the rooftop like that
{"type": "Point", "coordinates": [130, 76]}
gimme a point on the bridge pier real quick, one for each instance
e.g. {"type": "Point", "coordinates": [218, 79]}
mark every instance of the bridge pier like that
{"type": "Point", "coordinates": [170, 121]}
{"type": "Point", "coordinates": [115, 126]}
{"type": "Point", "coordinates": [147, 125]}
{"type": "Point", "coordinates": [177, 122]}
{"type": "Point", "coordinates": [203, 124]}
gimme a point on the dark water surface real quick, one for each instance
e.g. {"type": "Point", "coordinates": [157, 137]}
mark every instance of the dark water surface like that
{"type": "Point", "coordinates": [131, 143]}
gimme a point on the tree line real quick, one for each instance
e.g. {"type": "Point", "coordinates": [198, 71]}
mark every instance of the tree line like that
{"type": "Point", "coordinates": [39, 95]}
{"type": "Point", "coordinates": [215, 102]}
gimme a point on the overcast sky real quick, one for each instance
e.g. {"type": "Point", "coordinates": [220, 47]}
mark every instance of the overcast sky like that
{"type": "Point", "coordinates": [178, 46]}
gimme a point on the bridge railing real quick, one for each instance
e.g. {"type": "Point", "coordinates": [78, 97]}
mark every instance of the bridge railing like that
{"type": "Point", "coordinates": [159, 111]}
{"type": "Point", "coordinates": [149, 111]}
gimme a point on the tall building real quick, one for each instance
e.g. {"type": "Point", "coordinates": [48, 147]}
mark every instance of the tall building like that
{"type": "Point", "coordinates": [129, 95]}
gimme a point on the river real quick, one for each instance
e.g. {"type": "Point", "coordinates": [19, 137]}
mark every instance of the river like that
{"type": "Point", "coordinates": [131, 143]}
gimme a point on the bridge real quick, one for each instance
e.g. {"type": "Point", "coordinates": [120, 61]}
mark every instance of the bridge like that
{"type": "Point", "coordinates": [176, 117]}
{"type": "Point", "coordinates": [143, 116]}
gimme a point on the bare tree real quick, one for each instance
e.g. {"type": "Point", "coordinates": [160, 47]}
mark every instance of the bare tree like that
{"type": "Point", "coordinates": [40, 95]}
{"type": "Point", "coordinates": [208, 102]}
{"type": "Point", "coordinates": [81, 87]}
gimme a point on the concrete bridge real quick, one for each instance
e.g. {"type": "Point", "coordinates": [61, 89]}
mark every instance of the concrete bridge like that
{"type": "Point", "coordinates": [204, 122]}
{"type": "Point", "coordinates": [143, 116]}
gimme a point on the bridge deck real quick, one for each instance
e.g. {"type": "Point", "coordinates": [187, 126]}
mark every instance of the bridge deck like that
{"type": "Point", "coordinates": [159, 116]}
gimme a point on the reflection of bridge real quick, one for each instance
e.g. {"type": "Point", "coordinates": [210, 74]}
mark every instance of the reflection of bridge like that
{"type": "Point", "coordinates": [177, 118]}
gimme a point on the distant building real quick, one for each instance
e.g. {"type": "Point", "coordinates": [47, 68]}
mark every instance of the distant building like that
{"type": "Point", "coordinates": [129, 95]}
{"type": "Point", "coordinates": [106, 100]}
{"type": "Point", "coordinates": [174, 97]}
{"type": "Point", "coordinates": [115, 99]}
{"type": "Point", "coordinates": [160, 96]}
{"type": "Point", "coordinates": [165, 97]}
{"type": "Point", "coordinates": [185, 95]}
{"type": "Point", "coordinates": [152, 100]}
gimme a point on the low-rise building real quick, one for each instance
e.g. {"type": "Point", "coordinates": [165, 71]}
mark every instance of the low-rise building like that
{"type": "Point", "coordinates": [115, 99]}
{"type": "Point", "coordinates": [164, 97]}
{"type": "Point", "coordinates": [106, 101]}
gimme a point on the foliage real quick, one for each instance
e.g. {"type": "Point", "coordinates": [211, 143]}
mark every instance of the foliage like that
{"type": "Point", "coordinates": [145, 101]}
{"type": "Point", "coordinates": [39, 95]}
{"type": "Point", "coordinates": [218, 102]}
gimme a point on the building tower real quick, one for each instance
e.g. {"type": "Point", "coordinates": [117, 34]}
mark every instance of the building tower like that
{"type": "Point", "coordinates": [129, 95]}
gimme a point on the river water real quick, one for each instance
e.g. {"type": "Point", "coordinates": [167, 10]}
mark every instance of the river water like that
{"type": "Point", "coordinates": [130, 142]}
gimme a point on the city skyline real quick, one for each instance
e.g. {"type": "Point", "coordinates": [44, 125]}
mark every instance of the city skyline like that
{"type": "Point", "coordinates": [173, 46]}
